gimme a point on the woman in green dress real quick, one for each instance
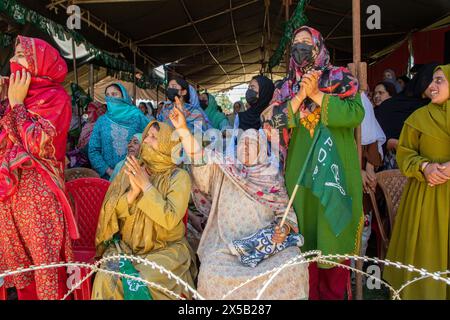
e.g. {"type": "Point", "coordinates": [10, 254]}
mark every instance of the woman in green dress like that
{"type": "Point", "coordinates": [314, 93]}
{"type": "Point", "coordinates": [421, 230]}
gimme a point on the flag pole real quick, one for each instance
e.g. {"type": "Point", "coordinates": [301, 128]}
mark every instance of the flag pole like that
{"type": "Point", "coordinates": [302, 173]}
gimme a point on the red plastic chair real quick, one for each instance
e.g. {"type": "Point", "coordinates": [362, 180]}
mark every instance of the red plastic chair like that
{"type": "Point", "coordinates": [3, 293]}
{"type": "Point", "coordinates": [86, 196]}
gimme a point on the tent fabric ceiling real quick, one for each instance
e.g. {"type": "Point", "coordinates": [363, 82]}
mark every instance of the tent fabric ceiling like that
{"type": "Point", "coordinates": [102, 80]}
{"type": "Point", "coordinates": [142, 21]}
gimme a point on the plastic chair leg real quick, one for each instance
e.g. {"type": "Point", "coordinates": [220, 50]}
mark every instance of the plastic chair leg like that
{"type": "Point", "coordinates": [3, 293]}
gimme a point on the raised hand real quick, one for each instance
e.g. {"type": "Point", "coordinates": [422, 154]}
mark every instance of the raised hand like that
{"type": "Point", "coordinates": [177, 117]}
{"type": "Point", "coordinates": [18, 87]}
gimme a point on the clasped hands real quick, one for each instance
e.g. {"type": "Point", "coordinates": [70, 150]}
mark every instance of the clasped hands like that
{"type": "Point", "coordinates": [139, 178]}
{"type": "Point", "coordinates": [309, 87]}
{"type": "Point", "coordinates": [437, 173]}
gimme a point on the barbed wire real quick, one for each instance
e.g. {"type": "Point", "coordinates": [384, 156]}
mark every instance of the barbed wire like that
{"type": "Point", "coordinates": [314, 256]}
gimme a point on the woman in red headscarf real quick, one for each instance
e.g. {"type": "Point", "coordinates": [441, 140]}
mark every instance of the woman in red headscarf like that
{"type": "Point", "coordinates": [35, 216]}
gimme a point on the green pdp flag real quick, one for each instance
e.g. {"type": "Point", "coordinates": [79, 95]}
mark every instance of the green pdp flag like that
{"type": "Point", "coordinates": [323, 173]}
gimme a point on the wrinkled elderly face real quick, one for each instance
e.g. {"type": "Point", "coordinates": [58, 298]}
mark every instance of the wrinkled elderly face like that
{"type": "Point", "coordinates": [133, 147]}
{"type": "Point", "coordinates": [152, 138]}
{"type": "Point", "coordinates": [438, 88]}
{"type": "Point", "coordinates": [19, 56]}
{"type": "Point", "coordinates": [248, 151]}
{"type": "Point", "coordinates": [380, 94]}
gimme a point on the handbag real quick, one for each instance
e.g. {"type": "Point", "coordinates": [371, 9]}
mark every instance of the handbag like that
{"type": "Point", "coordinates": [259, 246]}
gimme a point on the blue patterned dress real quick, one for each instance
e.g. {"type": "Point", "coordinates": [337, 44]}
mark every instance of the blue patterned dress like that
{"type": "Point", "coordinates": [109, 141]}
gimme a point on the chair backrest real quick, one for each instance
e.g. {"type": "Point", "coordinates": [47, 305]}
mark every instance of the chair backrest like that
{"type": "Point", "coordinates": [392, 183]}
{"type": "Point", "coordinates": [86, 195]}
{"type": "Point", "coordinates": [77, 173]}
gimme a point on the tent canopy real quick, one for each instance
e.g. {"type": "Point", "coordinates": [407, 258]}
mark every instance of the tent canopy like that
{"type": "Point", "coordinates": [218, 44]}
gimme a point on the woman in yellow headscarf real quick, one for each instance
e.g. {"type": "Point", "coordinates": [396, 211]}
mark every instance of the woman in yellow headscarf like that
{"type": "Point", "coordinates": [145, 206]}
{"type": "Point", "coordinates": [421, 231]}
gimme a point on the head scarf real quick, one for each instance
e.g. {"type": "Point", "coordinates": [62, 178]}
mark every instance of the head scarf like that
{"type": "Point", "coordinates": [446, 104]}
{"type": "Point", "coordinates": [434, 122]}
{"type": "Point", "coordinates": [122, 110]}
{"type": "Point", "coordinates": [334, 80]}
{"type": "Point", "coordinates": [250, 119]}
{"type": "Point", "coordinates": [160, 168]}
{"type": "Point", "coordinates": [337, 81]}
{"type": "Point", "coordinates": [50, 106]}
{"type": "Point", "coordinates": [392, 113]}
{"type": "Point", "coordinates": [138, 136]}
{"type": "Point", "coordinates": [215, 117]}
{"type": "Point", "coordinates": [262, 182]}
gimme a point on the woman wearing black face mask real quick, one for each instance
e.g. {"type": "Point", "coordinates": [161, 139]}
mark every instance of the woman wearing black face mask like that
{"type": "Point", "coordinates": [258, 96]}
{"type": "Point", "coordinates": [316, 94]}
{"type": "Point", "coordinates": [195, 116]}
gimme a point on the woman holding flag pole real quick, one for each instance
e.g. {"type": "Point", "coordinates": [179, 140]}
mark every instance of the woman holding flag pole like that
{"type": "Point", "coordinates": [321, 104]}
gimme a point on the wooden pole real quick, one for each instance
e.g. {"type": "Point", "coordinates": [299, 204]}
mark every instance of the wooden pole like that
{"type": "Point", "coordinates": [287, 3]}
{"type": "Point", "coordinates": [356, 21]}
{"type": "Point", "coordinates": [91, 81]}
{"type": "Point", "coordinates": [134, 76]}
{"type": "Point", "coordinates": [74, 56]}
{"type": "Point", "coordinates": [75, 75]}
{"type": "Point", "coordinates": [157, 95]}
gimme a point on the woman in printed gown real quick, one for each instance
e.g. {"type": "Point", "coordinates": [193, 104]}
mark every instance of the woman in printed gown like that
{"type": "Point", "coordinates": [244, 198]}
{"type": "Point", "coordinates": [35, 217]}
{"type": "Point", "coordinates": [421, 229]}
{"type": "Point", "coordinates": [318, 93]}
{"type": "Point", "coordinates": [113, 131]}
{"type": "Point", "coordinates": [145, 205]}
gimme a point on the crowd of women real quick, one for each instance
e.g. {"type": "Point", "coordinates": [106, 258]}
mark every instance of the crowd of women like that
{"type": "Point", "coordinates": [240, 224]}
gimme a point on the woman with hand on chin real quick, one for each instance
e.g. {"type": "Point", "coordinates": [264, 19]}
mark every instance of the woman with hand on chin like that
{"type": "Point", "coordinates": [35, 217]}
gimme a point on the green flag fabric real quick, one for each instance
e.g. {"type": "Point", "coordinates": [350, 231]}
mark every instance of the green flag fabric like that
{"type": "Point", "coordinates": [133, 289]}
{"type": "Point", "coordinates": [323, 173]}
